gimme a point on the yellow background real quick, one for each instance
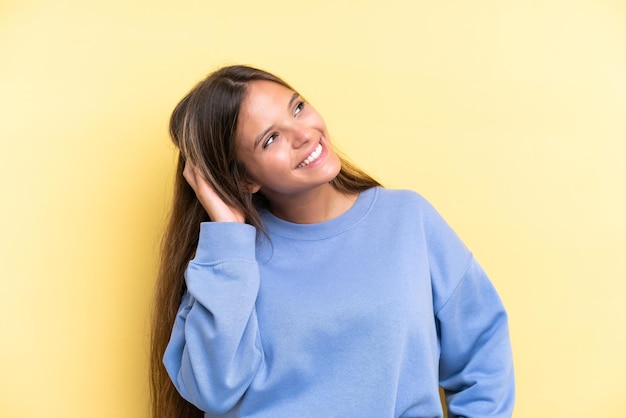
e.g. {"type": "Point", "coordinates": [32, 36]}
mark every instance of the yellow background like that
{"type": "Point", "coordinates": [510, 116]}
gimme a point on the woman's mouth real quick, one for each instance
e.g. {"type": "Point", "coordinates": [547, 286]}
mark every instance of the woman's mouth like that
{"type": "Point", "coordinates": [312, 157]}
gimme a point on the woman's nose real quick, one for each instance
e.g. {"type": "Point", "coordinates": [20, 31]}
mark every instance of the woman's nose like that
{"type": "Point", "coordinates": [300, 135]}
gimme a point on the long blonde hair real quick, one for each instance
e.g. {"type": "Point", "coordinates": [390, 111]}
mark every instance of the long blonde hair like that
{"type": "Point", "coordinates": [203, 128]}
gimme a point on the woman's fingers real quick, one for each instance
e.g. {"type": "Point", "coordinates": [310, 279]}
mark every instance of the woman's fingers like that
{"type": "Point", "coordinates": [217, 209]}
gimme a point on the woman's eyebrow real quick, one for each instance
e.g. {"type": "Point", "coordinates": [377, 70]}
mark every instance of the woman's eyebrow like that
{"type": "Point", "coordinates": [293, 99]}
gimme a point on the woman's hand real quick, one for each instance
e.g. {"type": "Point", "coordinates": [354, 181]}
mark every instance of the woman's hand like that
{"type": "Point", "coordinates": [216, 208]}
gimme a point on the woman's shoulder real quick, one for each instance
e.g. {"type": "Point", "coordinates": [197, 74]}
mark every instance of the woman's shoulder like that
{"type": "Point", "coordinates": [405, 203]}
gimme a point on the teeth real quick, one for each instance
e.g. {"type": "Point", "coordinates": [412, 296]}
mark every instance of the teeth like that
{"type": "Point", "coordinates": [314, 155]}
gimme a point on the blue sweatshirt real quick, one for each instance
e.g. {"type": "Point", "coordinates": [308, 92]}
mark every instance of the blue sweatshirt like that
{"type": "Point", "coordinates": [365, 315]}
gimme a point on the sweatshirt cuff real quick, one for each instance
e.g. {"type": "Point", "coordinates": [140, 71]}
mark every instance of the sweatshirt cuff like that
{"type": "Point", "coordinates": [221, 241]}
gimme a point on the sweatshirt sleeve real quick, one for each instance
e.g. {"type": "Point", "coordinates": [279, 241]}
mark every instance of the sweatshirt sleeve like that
{"type": "Point", "coordinates": [475, 365]}
{"type": "Point", "coordinates": [215, 351]}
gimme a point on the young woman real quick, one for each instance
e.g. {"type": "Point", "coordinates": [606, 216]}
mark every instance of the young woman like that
{"type": "Point", "coordinates": [293, 285]}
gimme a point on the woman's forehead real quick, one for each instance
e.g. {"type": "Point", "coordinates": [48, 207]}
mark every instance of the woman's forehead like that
{"type": "Point", "coordinates": [263, 92]}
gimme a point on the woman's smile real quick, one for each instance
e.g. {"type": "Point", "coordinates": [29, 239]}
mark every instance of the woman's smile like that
{"type": "Point", "coordinates": [312, 157]}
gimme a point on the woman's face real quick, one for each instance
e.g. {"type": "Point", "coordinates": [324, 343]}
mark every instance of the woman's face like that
{"type": "Point", "coordinates": [283, 142]}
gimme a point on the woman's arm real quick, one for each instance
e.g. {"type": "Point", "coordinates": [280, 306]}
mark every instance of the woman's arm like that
{"type": "Point", "coordinates": [215, 350]}
{"type": "Point", "coordinates": [476, 365]}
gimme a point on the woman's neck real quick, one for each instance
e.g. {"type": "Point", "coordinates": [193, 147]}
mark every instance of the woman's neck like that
{"type": "Point", "coordinates": [317, 205]}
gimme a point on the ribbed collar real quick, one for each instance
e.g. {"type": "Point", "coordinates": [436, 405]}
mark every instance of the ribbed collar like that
{"type": "Point", "coordinates": [322, 230]}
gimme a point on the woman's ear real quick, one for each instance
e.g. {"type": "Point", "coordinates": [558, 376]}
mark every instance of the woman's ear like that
{"type": "Point", "coordinates": [251, 186]}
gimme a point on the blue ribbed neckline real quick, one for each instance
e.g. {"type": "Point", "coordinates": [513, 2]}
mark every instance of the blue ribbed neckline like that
{"type": "Point", "coordinates": [322, 230]}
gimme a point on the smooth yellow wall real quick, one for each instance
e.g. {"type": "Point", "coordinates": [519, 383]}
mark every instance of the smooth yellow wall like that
{"type": "Point", "coordinates": [510, 116]}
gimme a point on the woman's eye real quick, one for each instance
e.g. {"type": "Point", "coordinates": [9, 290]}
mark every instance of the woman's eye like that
{"type": "Point", "coordinates": [298, 108]}
{"type": "Point", "coordinates": [269, 140]}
